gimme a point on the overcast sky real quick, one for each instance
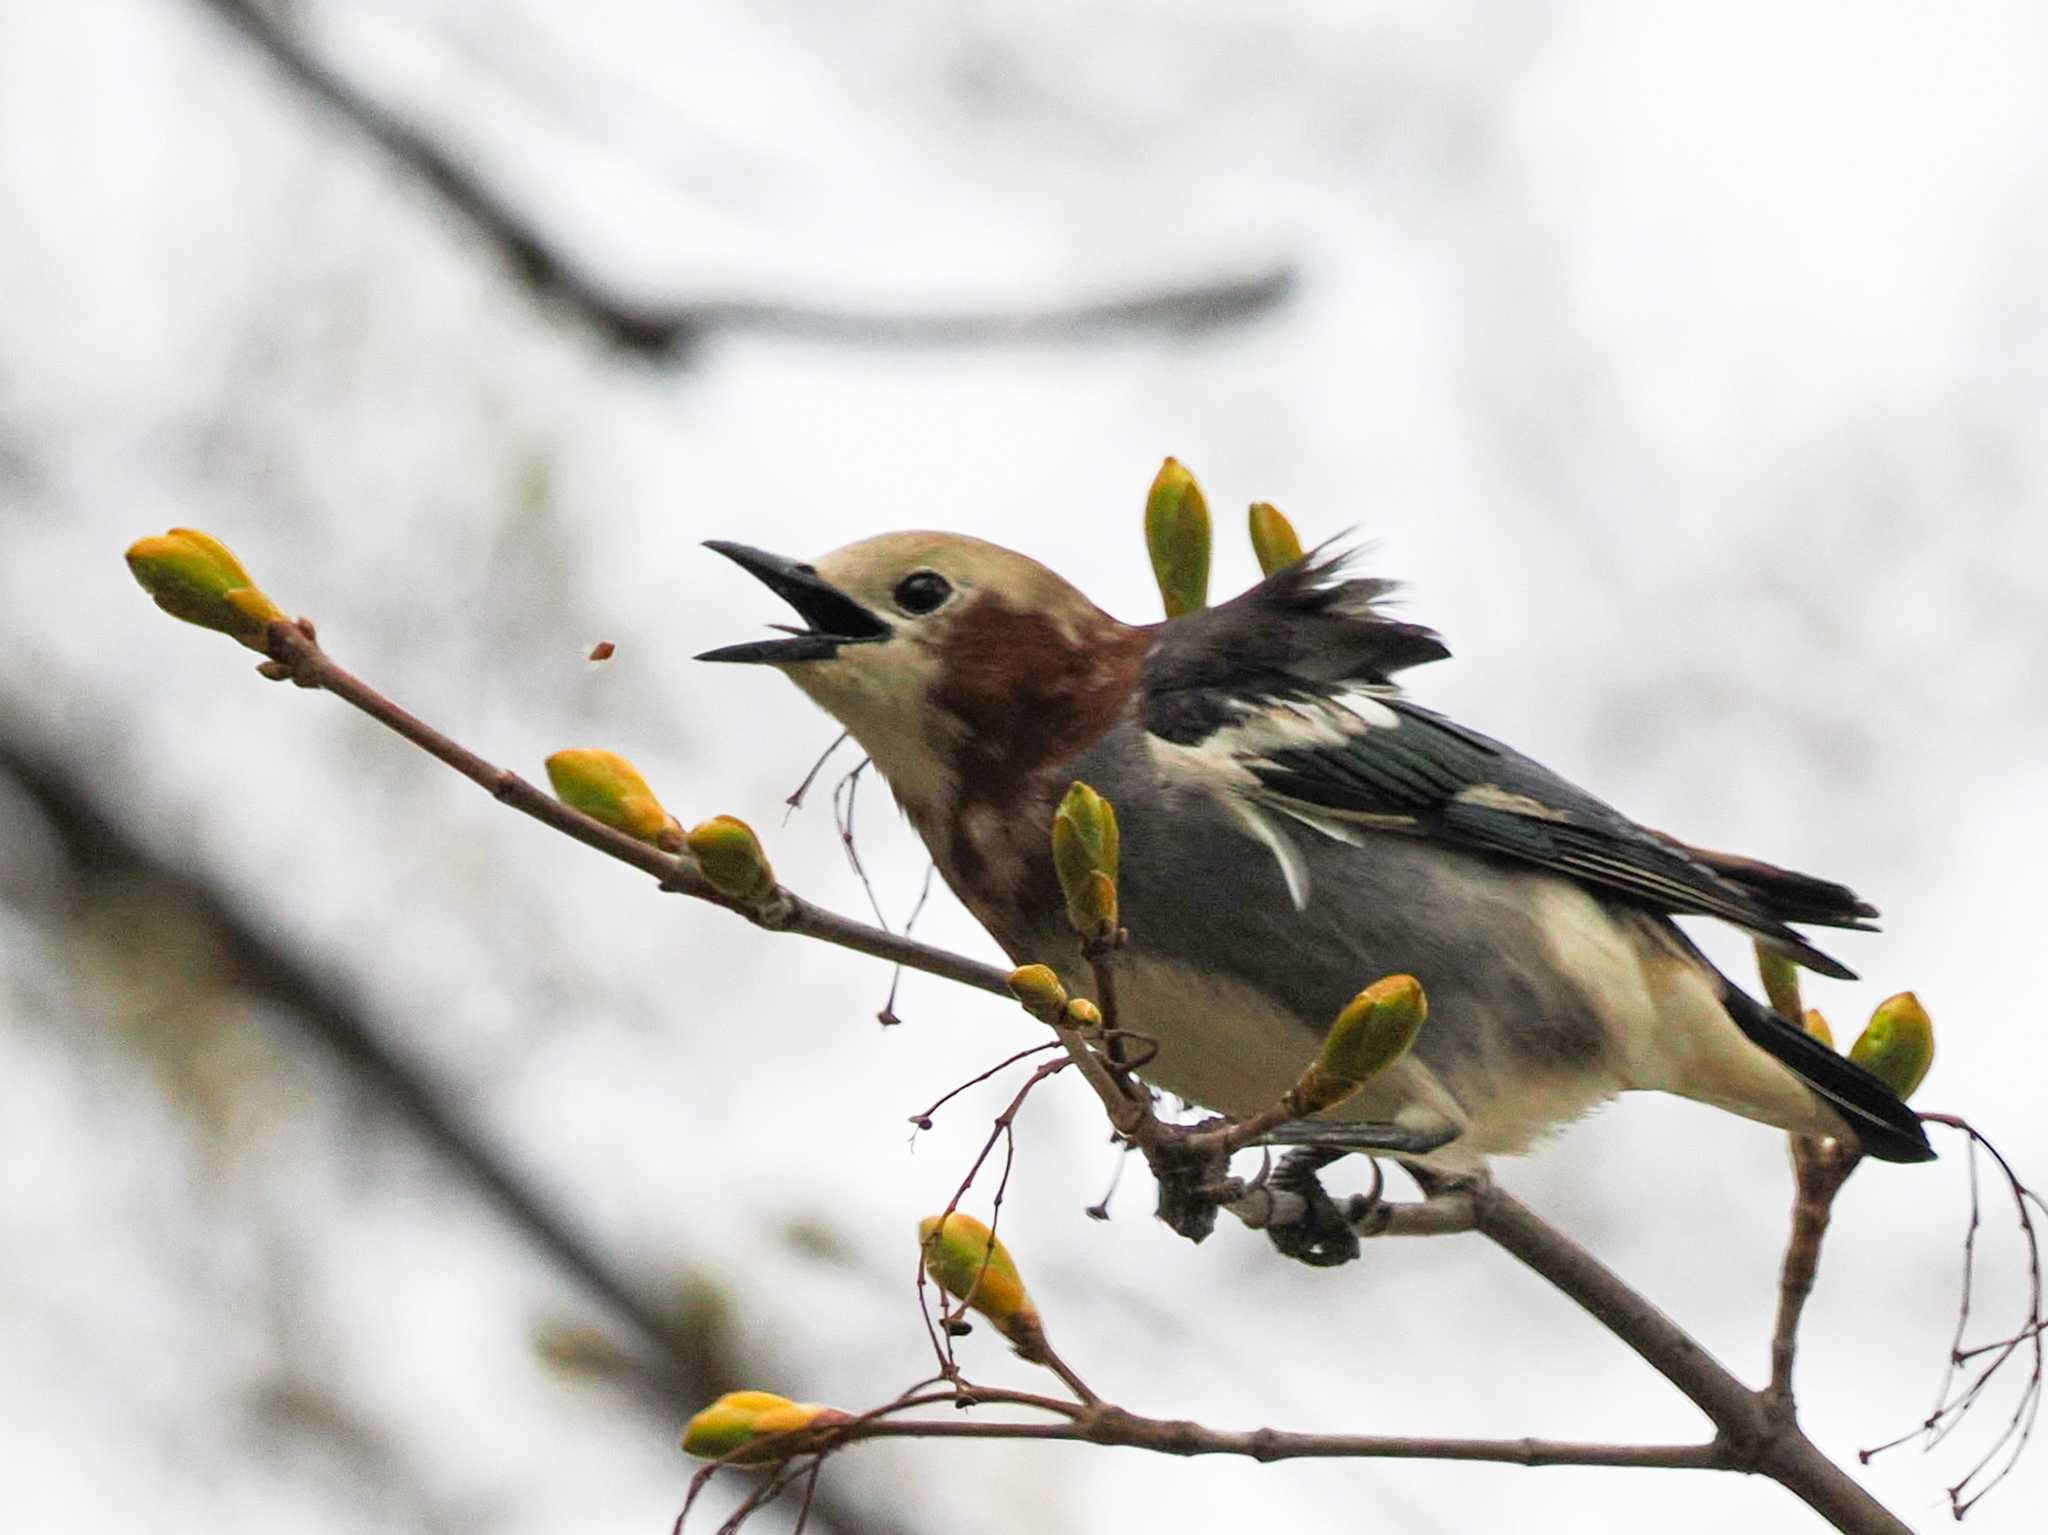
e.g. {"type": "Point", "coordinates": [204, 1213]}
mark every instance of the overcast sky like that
{"type": "Point", "coordinates": [1688, 363]}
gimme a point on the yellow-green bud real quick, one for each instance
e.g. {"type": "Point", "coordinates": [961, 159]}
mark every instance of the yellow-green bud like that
{"type": "Point", "coordinates": [194, 577]}
{"type": "Point", "coordinates": [969, 1263]}
{"type": "Point", "coordinates": [730, 856]}
{"type": "Point", "coordinates": [1084, 852]}
{"type": "Point", "coordinates": [1781, 981]}
{"type": "Point", "coordinates": [1039, 990]}
{"type": "Point", "coordinates": [1898, 1044]}
{"type": "Point", "coordinates": [736, 1420]}
{"type": "Point", "coordinates": [1274, 540]}
{"type": "Point", "coordinates": [1177, 537]}
{"type": "Point", "coordinates": [608, 788]}
{"type": "Point", "coordinates": [1080, 1013]}
{"type": "Point", "coordinates": [1372, 1032]}
{"type": "Point", "coordinates": [1817, 1026]}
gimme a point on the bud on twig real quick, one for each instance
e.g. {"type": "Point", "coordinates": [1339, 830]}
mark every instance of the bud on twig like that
{"type": "Point", "coordinates": [1274, 540]}
{"type": "Point", "coordinates": [1040, 991]}
{"type": "Point", "coordinates": [739, 1418]}
{"type": "Point", "coordinates": [1898, 1044]}
{"type": "Point", "coordinates": [966, 1260]}
{"type": "Point", "coordinates": [1373, 1031]}
{"type": "Point", "coordinates": [1080, 1013]}
{"type": "Point", "coordinates": [1177, 537]}
{"type": "Point", "coordinates": [608, 788]}
{"type": "Point", "coordinates": [730, 856]}
{"type": "Point", "coordinates": [1084, 852]}
{"type": "Point", "coordinates": [1817, 1026]}
{"type": "Point", "coordinates": [195, 578]}
{"type": "Point", "coordinates": [1781, 981]}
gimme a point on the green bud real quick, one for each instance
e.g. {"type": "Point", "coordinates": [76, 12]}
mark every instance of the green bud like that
{"type": "Point", "coordinates": [1781, 981]}
{"type": "Point", "coordinates": [1084, 852]}
{"type": "Point", "coordinates": [1372, 1032]}
{"type": "Point", "coordinates": [1039, 990]}
{"type": "Point", "coordinates": [1898, 1044]}
{"type": "Point", "coordinates": [729, 855]}
{"type": "Point", "coordinates": [969, 1263]}
{"type": "Point", "coordinates": [194, 577]}
{"type": "Point", "coordinates": [1274, 540]}
{"type": "Point", "coordinates": [1177, 537]}
{"type": "Point", "coordinates": [608, 788]}
{"type": "Point", "coordinates": [739, 1418]}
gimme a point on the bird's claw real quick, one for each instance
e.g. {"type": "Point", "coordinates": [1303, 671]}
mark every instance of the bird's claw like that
{"type": "Point", "coordinates": [1321, 1234]}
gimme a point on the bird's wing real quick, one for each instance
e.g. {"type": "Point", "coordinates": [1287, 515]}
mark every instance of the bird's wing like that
{"type": "Point", "coordinates": [1344, 759]}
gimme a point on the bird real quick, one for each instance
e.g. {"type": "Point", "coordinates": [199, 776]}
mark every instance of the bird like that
{"type": "Point", "coordinates": [1293, 826]}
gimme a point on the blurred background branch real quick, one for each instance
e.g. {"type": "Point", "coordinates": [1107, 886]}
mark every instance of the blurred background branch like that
{"type": "Point", "coordinates": [641, 324]}
{"type": "Point", "coordinates": [682, 1354]}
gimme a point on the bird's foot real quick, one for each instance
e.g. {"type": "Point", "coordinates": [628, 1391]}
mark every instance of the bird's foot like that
{"type": "Point", "coordinates": [1300, 1218]}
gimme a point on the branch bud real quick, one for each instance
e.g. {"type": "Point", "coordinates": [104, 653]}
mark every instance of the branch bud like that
{"type": "Point", "coordinates": [195, 578]}
{"type": "Point", "coordinates": [1084, 852]}
{"type": "Point", "coordinates": [1817, 1026]}
{"type": "Point", "coordinates": [608, 788]}
{"type": "Point", "coordinates": [730, 856]}
{"type": "Point", "coordinates": [1781, 981]}
{"type": "Point", "coordinates": [1040, 991]}
{"type": "Point", "coordinates": [1177, 538]}
{"type": "Point", "coordinates": [1373, 1031]}
{"type": "Point", "coordinates": [966, 1260]}
{"type": "Point", "coordinates": [1898, 1044]}
{"type": "Point", "coordinates": [739, 1418]}
{"type": "Point", "coordinates": [1274, 540]}
{"type": "Point", "coordinates": [1080, 1013]}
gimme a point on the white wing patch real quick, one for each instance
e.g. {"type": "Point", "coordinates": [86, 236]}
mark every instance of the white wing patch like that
{"type": "Point", "coordinates": [1223, 765]}
{"type": "Point", "coordinates": [1292, 867]}
{"type": "Point", "coordinates": [1493, 797]}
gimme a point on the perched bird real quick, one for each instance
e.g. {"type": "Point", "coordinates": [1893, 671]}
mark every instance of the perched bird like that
{"type": "Point", "coordinates": [1294, 827]}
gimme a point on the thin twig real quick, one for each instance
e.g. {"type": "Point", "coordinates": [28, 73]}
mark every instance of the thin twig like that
{"type": "Point", "coordinates": [310, 666]}
{"type": "Point", "coordinates": [1103, 1424]}
{"type": "Point", "coordinates": [1820, 1168]}
{"type": "Point", "coordinates": [1952, 1404]}
{"type": "Point", "coordinates": [923, 1120]}
{"type": "Point", "coordinates": [795, 798]}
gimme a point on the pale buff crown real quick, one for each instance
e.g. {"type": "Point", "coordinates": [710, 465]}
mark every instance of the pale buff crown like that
{"type": "Point", "coordinates": [882, 691]}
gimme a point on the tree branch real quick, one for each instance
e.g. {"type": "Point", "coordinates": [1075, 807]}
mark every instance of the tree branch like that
{"type": "Point", "coordinates": [294, 648]}
{"type": "Point", "coordinates": [1755, 1440]}
{"type": "Point", "coordinates": [1112, 1426]}
{"type": "Point", "coordinates": [650, 327]}
{"type": "Point", "coordinates": [1819, 1169]}
{"type": "Point", "coordinates": [1752, 1433]}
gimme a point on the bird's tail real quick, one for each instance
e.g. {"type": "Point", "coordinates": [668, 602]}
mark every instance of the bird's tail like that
{"type": "Point", "coordinates": [1885, 1128]}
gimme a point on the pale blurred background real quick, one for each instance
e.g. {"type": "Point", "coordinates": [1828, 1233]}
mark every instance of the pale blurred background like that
{"type": "Point", "coordinates": [1688, 363]}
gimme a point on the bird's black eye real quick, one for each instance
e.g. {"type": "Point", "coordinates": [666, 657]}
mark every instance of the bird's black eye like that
{"type": "Point", "coordinates": [921, 591]}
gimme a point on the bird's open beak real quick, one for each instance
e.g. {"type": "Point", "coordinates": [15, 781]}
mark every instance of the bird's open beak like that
{"type": "Point", "coordinates": [835, 619]}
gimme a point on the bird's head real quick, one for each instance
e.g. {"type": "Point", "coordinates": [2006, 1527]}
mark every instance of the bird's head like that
{"type": "Point", "coordinates": [952, 661]}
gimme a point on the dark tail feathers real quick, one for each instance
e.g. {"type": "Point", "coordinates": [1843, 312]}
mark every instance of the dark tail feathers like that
{"type": "Point", "coordinates": [1884, 1126]}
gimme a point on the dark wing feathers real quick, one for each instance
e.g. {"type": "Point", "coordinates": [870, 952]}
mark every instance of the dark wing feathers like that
{"type": "Point", "coordinates": [1307, 635]}
{"type": "Point", "coordinates": [1791, 896]}
{"type": "Point", "coordinates": [1462, 788]}
{"type": "Point", "coordinates": [1302, 630]}
{"type": "Point", "coordinates": [1885, 1127]}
